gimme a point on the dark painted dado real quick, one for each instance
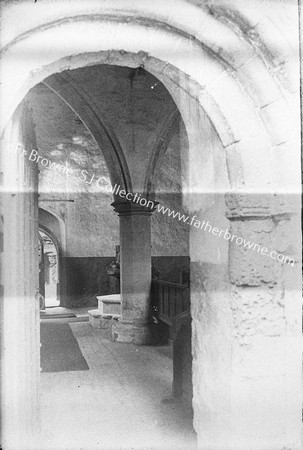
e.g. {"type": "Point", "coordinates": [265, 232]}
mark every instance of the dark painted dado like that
{"type": "Point", "coordinates": [86, 277]}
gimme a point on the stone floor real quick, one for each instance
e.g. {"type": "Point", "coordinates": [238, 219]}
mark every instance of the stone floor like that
{"type": "Point", "coordinates": [57, 310]}
{"type": "Point", "coordinates": [117, 403]}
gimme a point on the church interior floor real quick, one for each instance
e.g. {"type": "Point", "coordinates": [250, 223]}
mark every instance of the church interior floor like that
{"type": "Point", "coordinates": [60, 310]}
{"type": "Point", "coordinates": [117, 403]}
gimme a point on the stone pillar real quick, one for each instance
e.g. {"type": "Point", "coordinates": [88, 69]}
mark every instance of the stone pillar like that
{"type": "Point", "coordinates": [135, 273]}
{"type": "Point", "coordinates": [20, 327]}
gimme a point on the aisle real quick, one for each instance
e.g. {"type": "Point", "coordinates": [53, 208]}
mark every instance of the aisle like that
{"type": "Point", "coordinates": [116, 404]}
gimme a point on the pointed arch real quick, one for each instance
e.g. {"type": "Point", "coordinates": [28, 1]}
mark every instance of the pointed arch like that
{"type": "Point", "coordinates": [71, 92]}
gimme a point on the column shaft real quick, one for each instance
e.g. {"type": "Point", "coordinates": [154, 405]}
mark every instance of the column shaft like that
{"type": "Point", "coordinates": [135, 274]}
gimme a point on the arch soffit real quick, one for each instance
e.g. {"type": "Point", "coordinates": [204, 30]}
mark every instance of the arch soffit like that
{"type": "Point", "coordinates": [207, 77]}
{"type": "Point", "coordinates": [71, 92]}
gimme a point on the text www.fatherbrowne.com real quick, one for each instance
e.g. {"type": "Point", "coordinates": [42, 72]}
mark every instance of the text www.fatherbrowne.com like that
{"type": "Point", "coordinates": [154, 206]}
{"type": "Point", "coordinates": [202, 225]}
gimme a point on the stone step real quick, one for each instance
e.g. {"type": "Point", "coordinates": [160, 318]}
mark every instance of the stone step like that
{"type": "Point", "coordinates": [109, 304]}
{"type": "Point", "coordinates": [98, 319]}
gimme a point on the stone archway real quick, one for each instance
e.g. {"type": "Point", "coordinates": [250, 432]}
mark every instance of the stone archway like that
{"type": "Point", "coordinates": [258, 127]}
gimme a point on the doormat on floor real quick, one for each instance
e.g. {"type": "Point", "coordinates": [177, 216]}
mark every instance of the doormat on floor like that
{"type": "Point", "coordinates": [60, 351]}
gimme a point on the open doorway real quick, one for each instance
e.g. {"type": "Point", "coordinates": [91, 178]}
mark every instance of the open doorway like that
{"type": "Point", "coordinates": [48, 271]}
{"type": "Point", "coordinates": [81, 199]}
{"type": "Point", "coordinates": [228, 283]}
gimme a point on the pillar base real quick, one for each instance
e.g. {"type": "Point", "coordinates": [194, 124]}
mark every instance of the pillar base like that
{"type": "Point", "coordinates": [132, 332]}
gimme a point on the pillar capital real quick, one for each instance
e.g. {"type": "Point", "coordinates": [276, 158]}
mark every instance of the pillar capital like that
{"type": "Point", "coordinates": [131, 208]}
